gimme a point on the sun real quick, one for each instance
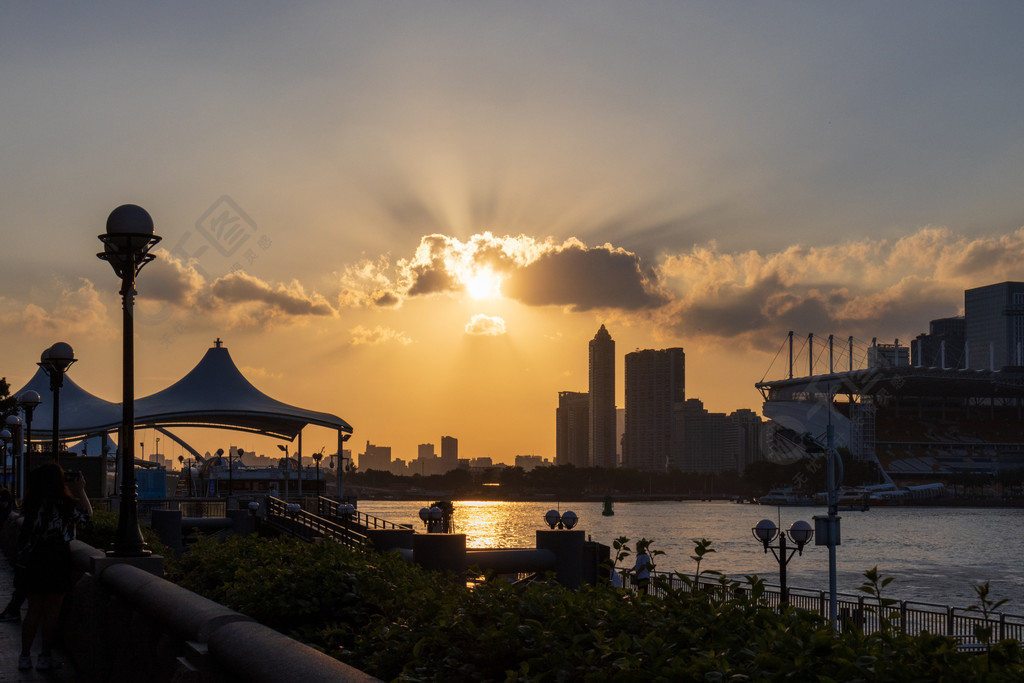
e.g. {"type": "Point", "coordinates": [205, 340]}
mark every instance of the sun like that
{"type": "Point", "coordinates": [483, 284]}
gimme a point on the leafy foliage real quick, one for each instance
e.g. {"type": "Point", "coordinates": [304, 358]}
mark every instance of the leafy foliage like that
{"type": "Point", "coordinates": [102, 528]}
{"type": "Point", "coordinates": [398, 622]}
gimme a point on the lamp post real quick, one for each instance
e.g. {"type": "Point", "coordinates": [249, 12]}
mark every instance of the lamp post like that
{"type": "Point", "coordinates": [55, 361]}
{"type": "Point", "coordinates": [5, 437]}
{"type": "Point", "coordinates": [800, 533]}
{"type": "Point", "coordinates": [28, 400]}
{"type": "Point", "coordinates": [317, 457]}
{"type": "Point", "coordinates": [13, 424]}
{"type": "Point", "coordinates": [126, 246]}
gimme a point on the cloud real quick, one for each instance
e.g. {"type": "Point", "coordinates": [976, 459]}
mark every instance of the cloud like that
{"type": "Point", "coordinates": [78, 311]}
{"type": "Point", "coordinates": [291, 299]}
{"type": "Point", "coordinates": [585, 278]}
{"type": "Point", "coordinates": [237, 299]}
{"type": "Point", "coordinates": [532, 271]}
{"type": "Point", "coordinates": [378, 335]}
{"type": "Point", "coordinates": [865, 288]}
{"type": "Point", "coordinates": [171, 280]}
{"type": "Point", "coordinates": [485, 325]}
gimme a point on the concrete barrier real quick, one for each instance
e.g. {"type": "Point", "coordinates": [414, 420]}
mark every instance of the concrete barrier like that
{"type": "Point", "coordinates": [127, 624]}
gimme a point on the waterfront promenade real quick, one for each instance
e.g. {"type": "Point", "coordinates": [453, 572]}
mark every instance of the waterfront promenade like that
{"type": "Point", "coordinates": [10, 642]}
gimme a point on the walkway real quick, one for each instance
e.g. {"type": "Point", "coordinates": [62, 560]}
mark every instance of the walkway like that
{"type": "Point", "coordinates": [10, 641]}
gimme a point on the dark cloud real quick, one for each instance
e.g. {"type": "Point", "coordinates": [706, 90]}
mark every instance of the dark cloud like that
{"type": "Point", "coordinates": [170, 280]}
{"type": "Point", "coordinates": [238, 288]}
{"type": "Point", "coordinates": [431, 281]}
{"type": "Point", "coordinates": [585, 279]}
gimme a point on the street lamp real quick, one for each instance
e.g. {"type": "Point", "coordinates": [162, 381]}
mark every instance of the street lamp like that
{"type": "Point", "coordinates": [28, 400]}
{"type": "Point", "coordinates": [55, 361]}
{"type": "Point", "coordinates": [799, 533]}
{"type": "Point", "coordinates": [317, 457]}
{"type": "Point", "coordinates": [126, 246]}
{"type": "Point", "coordinates": [14, 425]}
{"type": "Point", "coordinates": [5, 437]}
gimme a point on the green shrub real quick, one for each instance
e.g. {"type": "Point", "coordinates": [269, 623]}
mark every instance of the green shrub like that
{"type": "Point", "coordinates": [396, 621]}
{"type": "Point", "coordinates": [101, 530]}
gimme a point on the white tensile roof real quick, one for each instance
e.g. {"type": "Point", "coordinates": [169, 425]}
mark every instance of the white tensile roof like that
{"type": "Point", "coordinates": [216, 394]}
{"type": "Point", "coordinates": [213, 394]}
{"type": "Point", "coordinates": [81, 413]}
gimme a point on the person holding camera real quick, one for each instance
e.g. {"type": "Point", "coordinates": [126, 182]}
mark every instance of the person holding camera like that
{"type": "Point", "coordinates": [53, 506]}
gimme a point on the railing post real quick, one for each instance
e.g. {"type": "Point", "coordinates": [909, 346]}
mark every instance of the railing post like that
{"type": "Point", "coordinates": [949, 621]}
{"type": "Point", "coordinates": [903, 615]}
{"type": "Point", "coordinates": [1002, 626]}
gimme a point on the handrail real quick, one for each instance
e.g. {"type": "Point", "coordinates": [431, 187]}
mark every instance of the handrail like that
{"type": "Point", "coordinates": [329, 508]}
{"type": "Point", "coordinates": [865, 614]}
{"type": "Point", "coordinates": [344, 531]}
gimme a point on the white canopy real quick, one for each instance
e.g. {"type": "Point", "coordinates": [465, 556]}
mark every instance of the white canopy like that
{"type": "Point", "coordinates": [216, 394]}
{"type": "Point", "coordinates": [81, 413]}
{"type": "Point", "coordinates": [213, 394]}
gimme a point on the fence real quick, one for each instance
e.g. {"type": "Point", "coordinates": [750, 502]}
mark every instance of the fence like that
{"type": "Point", "coordinates": [306, 525]}
{"type": "Point", "coordinates": [863, 612]}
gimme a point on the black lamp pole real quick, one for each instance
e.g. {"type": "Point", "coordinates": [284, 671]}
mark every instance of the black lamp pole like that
{"type": "Point", "coordinates": [28, 400]}
{"type": "Point", "coordinates": [55, 361]}
{"type": "Point", "coordinates": [126, 246]}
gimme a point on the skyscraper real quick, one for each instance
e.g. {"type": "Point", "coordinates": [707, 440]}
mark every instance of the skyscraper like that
{"type": "Point", "coordinates": [572, 429]}
{"type": "Point", "coordinates": [995, 325]}
{"type": "Point", "coordinates": [603, 452]}
{"type": "Point", "coordinates": [655, 389]}
{"type": "Point", "coordinates": [449, 452]}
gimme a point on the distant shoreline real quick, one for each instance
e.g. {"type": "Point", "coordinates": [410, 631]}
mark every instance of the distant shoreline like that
{"type": "Point", "coordinates": [960, 502]}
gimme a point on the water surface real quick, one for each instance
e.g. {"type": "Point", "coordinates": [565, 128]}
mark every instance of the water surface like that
{"type": "Point", "coordinates": [935, 554]}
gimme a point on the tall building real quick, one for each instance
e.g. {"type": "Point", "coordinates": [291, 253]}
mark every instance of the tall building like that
{"type": "Point", "coordinates": [750, 437]}
{"type": "Point", "coordinates": [449, 452]}
{"type": "Point", "coordinates": [655, 389]}
{"type": "Point", "coordinates": [943, 346]}
{"type": "Point", "coordinates": [572, 429]}
{"type": "Point", "coordinates": [375, 458]}
{"type": "Point", "coordinates": [707, 444]}
{"type": "Point", "coordinates": [995, 325]}
{"type": "Point", "coordinates": [603, 451]}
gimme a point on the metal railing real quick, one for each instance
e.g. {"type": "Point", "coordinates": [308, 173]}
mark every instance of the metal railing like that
{"type": "Point", "coordinates": [862, 612]}
{"type": "Point", "coordinates": [328, 508]}
{"type": "Point", "coordinates": [190, 507]}
{"type": "Point", "coordinates": [303, 524]}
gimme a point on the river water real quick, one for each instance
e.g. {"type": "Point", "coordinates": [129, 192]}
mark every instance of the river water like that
{"type": "Point", "coordinates": [936, 555]}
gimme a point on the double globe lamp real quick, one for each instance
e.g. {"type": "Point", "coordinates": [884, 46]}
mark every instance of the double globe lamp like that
{"type": "Point", "coordinates": [800, 533]}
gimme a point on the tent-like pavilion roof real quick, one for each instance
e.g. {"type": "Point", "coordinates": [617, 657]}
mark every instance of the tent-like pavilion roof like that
{"type": "Point", "coordinates": [81, 413]}
{"type": "Point", "coordinates": [214, 394]}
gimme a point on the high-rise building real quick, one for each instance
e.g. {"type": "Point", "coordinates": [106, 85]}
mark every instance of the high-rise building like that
{"type": "Point", "coordinates": [943, 346]}
{"type": "Point", "coordinates": [375, 458]}
{"type": "Point", "coordinates": [572, 429]}
{"type": "Point", "coordinates": [706, 440]}
{"type": "Point", "coordinates": [655, 389]}
{"type": "Point", "coordinates": [995, 325]}
{"type": "Point", "coordinates": [603, 451]}
{"type": "Point", "coordinates": [449, 452]}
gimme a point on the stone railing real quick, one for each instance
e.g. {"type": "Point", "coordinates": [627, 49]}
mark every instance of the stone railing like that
{"type": "Point", "coordinates": [124, 622]}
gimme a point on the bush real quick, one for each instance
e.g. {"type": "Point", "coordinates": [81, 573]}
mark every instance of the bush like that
{"type": "Point", "coordinates": [396, 621]}
{"type": "Point", "coordinates": [102, 529]}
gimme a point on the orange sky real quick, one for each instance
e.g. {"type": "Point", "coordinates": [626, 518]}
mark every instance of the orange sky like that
{"type": "Point", "coordinates": [441, 205]}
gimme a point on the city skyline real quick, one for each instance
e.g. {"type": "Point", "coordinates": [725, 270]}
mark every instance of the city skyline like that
{"type": "Point", "coordinates": [413, 216]}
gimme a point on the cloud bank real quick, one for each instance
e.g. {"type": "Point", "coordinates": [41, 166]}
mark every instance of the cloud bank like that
{"type": "Point", "coordinates": [531, 271]}
{"type": "Point", "coordinates": [864, 288]}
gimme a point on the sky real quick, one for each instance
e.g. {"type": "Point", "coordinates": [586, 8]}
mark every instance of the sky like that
{"type": "Point", "coordinates": [415, 215]}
